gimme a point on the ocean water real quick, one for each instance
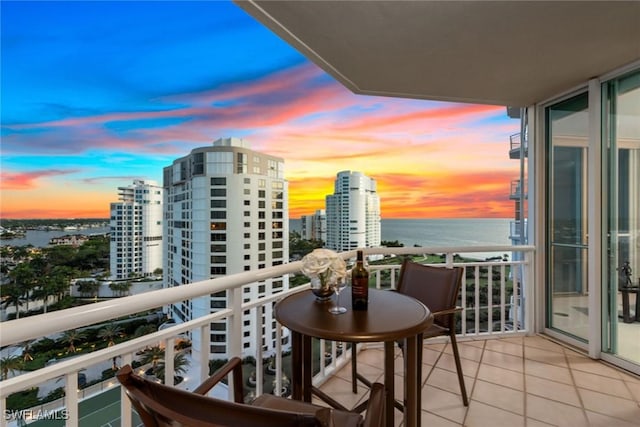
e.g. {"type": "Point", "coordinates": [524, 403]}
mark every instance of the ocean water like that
{"type": "Point", "coordinates": [443, 232]}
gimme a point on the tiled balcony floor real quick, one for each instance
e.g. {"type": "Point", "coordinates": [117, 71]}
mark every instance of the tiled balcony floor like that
{"type": "Point", "coordinates": [517, 381]}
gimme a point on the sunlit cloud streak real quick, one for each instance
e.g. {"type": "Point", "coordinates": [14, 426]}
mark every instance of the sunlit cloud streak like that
{"type": "Point", "coordinates": [430, 159]}
{"type": "Point", "coordinates": [27, 180]}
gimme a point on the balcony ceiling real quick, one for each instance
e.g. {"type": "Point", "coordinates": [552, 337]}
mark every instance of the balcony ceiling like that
{"type": "Point", "coordinates": [512, 53]}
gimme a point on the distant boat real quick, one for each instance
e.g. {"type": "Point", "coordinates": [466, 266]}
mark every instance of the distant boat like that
{"type": "Point", "coordinates": [70, 228]}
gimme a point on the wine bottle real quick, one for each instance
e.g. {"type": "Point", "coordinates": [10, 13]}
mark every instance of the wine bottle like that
{"type": "Point", "coordinates": [359, 284]}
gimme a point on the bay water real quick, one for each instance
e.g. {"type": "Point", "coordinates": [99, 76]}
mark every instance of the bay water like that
{"type": "Point", "coordinates": [410, 232]}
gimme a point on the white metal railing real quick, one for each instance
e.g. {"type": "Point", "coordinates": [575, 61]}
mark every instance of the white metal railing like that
{"type": "Point", "coordinates": [508, 311]}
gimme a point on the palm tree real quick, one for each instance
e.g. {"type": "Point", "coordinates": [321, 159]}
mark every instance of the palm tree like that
{"type": "Point", "coordinates": [110, 332]}
{"type": "Point", "coordinates": [180, 364]}
{"type": "Point", "coordinates": [71, 337]}
{"type": "Point", "coordinates": [152, 355]}
{"type": "Point", "coordinates": [14, 296]}
{"type": "Point", "coordinates": [145, 329]}
{"type": "Point", "coordinates": [23, 277]}
{"type": "Point", "coordinates": [10, 364]}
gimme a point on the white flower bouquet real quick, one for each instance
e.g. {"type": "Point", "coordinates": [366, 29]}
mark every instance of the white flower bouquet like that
{"type": "Point", "coordinates": [324, 267]}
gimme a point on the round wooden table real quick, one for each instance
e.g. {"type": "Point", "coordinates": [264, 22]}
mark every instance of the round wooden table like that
{"type": "Point", "coordinates": [391, 316]}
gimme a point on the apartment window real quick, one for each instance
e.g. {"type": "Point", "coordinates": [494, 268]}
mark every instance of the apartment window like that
{"type": "Point", "coordinates": [218, 214]}
{"type": "Point", "coordinates": [218, 203]}
{"type": "Point", "coordinates": [218, 192]}
{"type": "Point", "coordinates": [218, 226]}
{"type": "Point", "coordinates": [218, 271]}
{"type": "Point", "coordinates": [219, 181]}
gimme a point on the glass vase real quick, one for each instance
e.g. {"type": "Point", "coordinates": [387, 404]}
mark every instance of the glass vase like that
{"type": "Point", "coordinates": [322, 291]}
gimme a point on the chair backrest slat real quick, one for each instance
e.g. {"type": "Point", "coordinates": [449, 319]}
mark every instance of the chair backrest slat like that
{"type": "Point", "coordinates": [435, 287]}
{"type": "Point", "coordinates": [162, 406]}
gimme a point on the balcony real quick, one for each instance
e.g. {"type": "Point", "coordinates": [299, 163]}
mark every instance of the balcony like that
{"type": "Point", "coordinates": [516, 150]}
{"type": "Point", "coordinates": [512, 375]}
{"type": "Point", "coordinates": [516, 189]}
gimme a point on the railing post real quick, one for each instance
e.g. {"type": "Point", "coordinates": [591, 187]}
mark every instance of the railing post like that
{"type": "Point", "coordinates": [169, 353]}
{"type": "Point", "coordinates": [259, 355]}
{"type": "Point", "coordinates": [125, 403]}
{"type": "Point", "coordinates": [528, 283]}
{"type": "Point", "coordinates": [71, 394]}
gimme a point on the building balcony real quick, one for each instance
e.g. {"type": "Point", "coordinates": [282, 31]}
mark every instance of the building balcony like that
{"type": "Point", "coordinates": [516, 149]}
{"type": "Point", "coordinates": [514, 377]}
{"type": "Point", "coordinates": [516, 190]}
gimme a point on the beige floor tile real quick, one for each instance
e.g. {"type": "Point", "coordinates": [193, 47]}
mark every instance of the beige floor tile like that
{"type": "Point", "coordinates": [582, 363]}
{"type": "Point", "coordinates": [371, 356]}
{"type": "Point", "coordinates": [503, 346]}
{"type": "Point", "coordinates": [430, 357]}
{"type": "Point", "coordinates": [481, 415]}
{"type": "Point", "coordinates": [499, 396]}
{"type": "Point", "coordinates": [448, 380]}
{"type": "Point", "coordinates": [473, 342]}
{"type": "Point", "coordinates": [552, 390]}
{"type": "Point", "coordinates": [634, 388]}
{"type": "Point", "coordinates": [514, 339]}
{"type": "Point", "coordinates": [435, 346]}
{"type": "Point", "coordinates": [545, 356]}
{"type": "Point", "coordinates": [601, 384]}
{"type": "Point", "coordinates": [501, 376]}
{"type": "Point", "coordinates": [555, 413]}
{"type": "Point", "coordinates": [610, 405]}
{"type": "Point", "coordinates": [433, 420]}
{"type": "Point", "coordinates": [372, 373]}
{"type": "Point", "coordinates": [503, 360]}
{"type": "Point", "coordinates": [550, 372]}
{"type": "Point", "coordinates": [467, 351]}
{"type": "Point", "coordinates": [539, 389]}
{"type": "Point", "coordinates": [448, 362]}
{"type": "Point", "coordinates": [443, 403]}
{"type": "Point", "coordinates": [599, 420]}
{"type": "Point", "coordinates": [543, 343]}
{"type": "Point", "coordinates": [340, 390]}
{"type": "Point", "coordinates": [535, 423]}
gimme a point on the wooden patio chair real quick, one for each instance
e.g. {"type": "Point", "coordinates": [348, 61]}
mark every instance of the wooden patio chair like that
{"type": "Point", "coordinates": [159, 405]}
{"type": "Point", "coordinates": [437, 288]}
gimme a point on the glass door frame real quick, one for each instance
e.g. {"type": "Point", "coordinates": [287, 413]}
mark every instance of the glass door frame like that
{"type": "Point", "coordinates": [597, 257]}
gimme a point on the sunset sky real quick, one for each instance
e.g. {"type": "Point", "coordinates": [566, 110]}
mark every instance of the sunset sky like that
{"type": "Point", "coordinates": [96, 94]}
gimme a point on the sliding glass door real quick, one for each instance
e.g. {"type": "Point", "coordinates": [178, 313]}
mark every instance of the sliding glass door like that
{"type": "Point", "coordinates": [567, 281]}
{"type": "Point", "coordinates": [621, 131]}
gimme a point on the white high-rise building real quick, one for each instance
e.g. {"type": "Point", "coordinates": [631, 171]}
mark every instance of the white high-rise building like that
{"type": "Point", "coordinates": [136, 230]}
{"type": "Point", "coordinates": [226, 212]}
{"type": "Point", "coordinates": [314, 227]}
{"type": "Point", "coordinates": [353, 213]}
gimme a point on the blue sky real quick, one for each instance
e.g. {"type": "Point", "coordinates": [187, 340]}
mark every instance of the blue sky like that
{"type": "Point", "coordinates": [96, 94]}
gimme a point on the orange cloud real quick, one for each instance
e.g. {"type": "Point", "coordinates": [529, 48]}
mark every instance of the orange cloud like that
{"type": "Point", "coordinates": [27, 180]}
